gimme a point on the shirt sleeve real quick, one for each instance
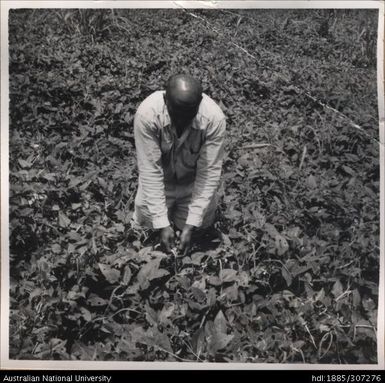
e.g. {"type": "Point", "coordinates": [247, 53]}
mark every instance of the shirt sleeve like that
{"type": "Point", "coordinates": [209, 168]}
{"type": "Point", "coordinates": [149, 158]}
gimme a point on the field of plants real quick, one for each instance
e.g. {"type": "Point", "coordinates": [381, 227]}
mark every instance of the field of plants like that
{"type": "Point", "coordinates": [295, 279]}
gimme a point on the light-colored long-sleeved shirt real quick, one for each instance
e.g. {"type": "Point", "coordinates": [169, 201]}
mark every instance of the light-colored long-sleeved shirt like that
{"type": "Point", "coordinates": [195, 158]}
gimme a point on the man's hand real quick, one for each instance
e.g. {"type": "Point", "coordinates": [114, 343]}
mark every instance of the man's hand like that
{"type": "Point", "coordinates": [185, 238]}
{"type": "Point", "coordinates": [167, 237]}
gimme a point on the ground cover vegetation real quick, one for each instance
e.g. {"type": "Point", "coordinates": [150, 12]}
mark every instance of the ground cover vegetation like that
{"type": "Point", "coordinates": [296, 276]}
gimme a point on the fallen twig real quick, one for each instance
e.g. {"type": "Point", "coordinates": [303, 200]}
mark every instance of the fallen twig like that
{"type": "Point", "coordinates": [303, 157]}
{"type": "Point", "coordinates": [256, 146]}
{"type": "Point", "coordinates": [311, 336]}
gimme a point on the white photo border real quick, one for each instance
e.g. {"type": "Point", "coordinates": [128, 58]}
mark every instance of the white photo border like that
{"type": "Point", "coordinates": [5, 362]}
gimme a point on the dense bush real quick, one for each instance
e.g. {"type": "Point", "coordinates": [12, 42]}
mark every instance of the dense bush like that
{"type": "Point", "coordinates": [296, 277]}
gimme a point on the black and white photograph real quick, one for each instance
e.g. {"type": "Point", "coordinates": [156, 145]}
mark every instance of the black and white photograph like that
{"type": "Point", "coordinates": [192, 184]}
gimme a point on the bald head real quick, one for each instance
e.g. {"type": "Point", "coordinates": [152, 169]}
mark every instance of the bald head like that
{"type": "Point", "coordinates": [182, 98]}
{"type": "Point", "coordinates": [184, 90]}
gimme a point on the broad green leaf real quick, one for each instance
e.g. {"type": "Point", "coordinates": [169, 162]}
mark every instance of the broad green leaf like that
{"type": "Point", "coordinates": [287, 276]}
{"type": "Point", "coordinates": [149, 272]}
{"type": "Point", "coordinates": [228, 275]}
{"type": "Point", "coordinates": [111, 275]}
{"type": "Point", "coordinates": [348, 170]}
{"type": "Point", "coordinates": [213, 280]}
{"type": "Point", "coordinates": [127, 275]}
{"type": "Point", "coordinates": [198, 340]}
{"type": "Point", "coordinates": [50, 176]}
{"type": "Point", "coordinates": [281, 244]}
{"type": "Point", "coordinates": [64, 221]}
{"type": "Point", "coordinates": [95, 300]}
{"type": "Point", "coordinates": [243, 279]}
{"type": "Point", "coordinates": [232, 292]}
{"type": "Point", "coordinates": [356, 298]}
{"type": "Point", "coordinates": [311, 182]}
{"type": "Point", "coordinates": [196, 258]}
{"type": "Point", "coordinates": [199, 295]}
{"type": "Point", "coordinates": [24, 164]}
{"type": "Point", "coordinates": [216, 340]}
{"type": "Point", "coordinates": [337, 289]}
{"type": "Point", "coordinates": [86, 314]}
{"type": "Point", "coordinates": [220, 323]}
{"type": "Point", "coordinates": [166, 312]}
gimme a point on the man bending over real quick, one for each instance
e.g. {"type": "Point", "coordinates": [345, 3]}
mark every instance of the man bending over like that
{"type": "Point", "coordinates": [179, 138]}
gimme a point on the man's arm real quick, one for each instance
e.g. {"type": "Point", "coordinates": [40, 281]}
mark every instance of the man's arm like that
{"type": "Point", "coordinates": [209, 168]}
{"type": "Point", "coordinates": [150, 170]}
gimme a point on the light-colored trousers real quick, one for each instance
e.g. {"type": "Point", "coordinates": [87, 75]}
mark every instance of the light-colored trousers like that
{"type": "Point", "coordinates": [178, 198]}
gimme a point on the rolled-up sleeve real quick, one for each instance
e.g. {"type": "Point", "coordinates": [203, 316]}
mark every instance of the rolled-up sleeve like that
{"type": "Point", "coordinates": [150, 170]}
{"type": "Point", "coordinates": [209, 168]}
